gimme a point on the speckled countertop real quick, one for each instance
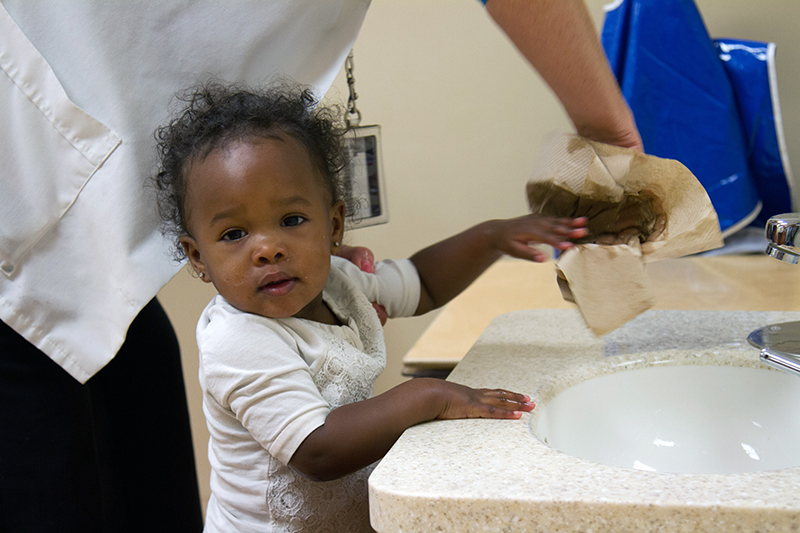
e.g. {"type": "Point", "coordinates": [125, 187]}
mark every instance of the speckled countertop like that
{"type": "Point", "coordinates": [496, 476]}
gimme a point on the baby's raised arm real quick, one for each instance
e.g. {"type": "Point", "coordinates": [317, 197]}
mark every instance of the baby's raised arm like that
{"type": "Point", "coordinates": [448, 267]}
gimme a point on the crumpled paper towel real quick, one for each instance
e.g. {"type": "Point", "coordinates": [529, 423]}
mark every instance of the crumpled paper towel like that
{"type": "Point", "coordinates": [640, 208]}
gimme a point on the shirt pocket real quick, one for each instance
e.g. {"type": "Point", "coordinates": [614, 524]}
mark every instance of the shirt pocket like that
{"type": "Point", "coordinates": [49, 147]}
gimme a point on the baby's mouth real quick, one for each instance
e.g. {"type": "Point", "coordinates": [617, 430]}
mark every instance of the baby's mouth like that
{"type": "Point", "coordinates": [278, 286]}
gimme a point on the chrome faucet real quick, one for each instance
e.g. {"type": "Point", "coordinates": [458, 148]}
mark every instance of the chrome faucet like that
{"type": "Point", "coordinates": [780, 343]}
{"type": "Point", "coordinates": [781, 233]}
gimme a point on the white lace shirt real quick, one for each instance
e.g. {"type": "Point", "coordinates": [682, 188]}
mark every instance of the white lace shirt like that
{"type": "Point", "coordinates": [268, 383]}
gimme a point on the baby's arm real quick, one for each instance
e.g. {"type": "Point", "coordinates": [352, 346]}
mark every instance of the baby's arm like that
{"type": "Point", "coordinates": [358, 434]}
{"type": "Point", "coordinates": [448, 267]}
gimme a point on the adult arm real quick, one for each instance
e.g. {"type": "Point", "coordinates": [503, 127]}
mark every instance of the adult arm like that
{"type": "Point", "coordinates": [559, 39]}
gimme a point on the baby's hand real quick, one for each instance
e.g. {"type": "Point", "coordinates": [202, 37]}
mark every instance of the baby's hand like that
{"type": "Point", "coordinates": [464, 402]}
{"type": "Point", "coordinates": [514, 236]}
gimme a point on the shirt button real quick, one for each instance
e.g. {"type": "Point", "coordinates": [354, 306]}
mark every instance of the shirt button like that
{"type": "Point", "coordinates": [8, 268]}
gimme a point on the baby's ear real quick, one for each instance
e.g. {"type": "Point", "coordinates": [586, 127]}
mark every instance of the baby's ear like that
{"type": "Point", "coordinates": [193, 254]}
{"type": "Point", "coordinates": [338, 212]}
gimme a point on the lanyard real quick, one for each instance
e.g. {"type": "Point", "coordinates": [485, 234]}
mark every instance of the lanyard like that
{"type": "Point", "coordinates": [363, 177]}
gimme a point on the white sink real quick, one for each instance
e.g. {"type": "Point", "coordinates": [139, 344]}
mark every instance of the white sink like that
{"type": "Point", "coordinates": [686, 419]}
{"type": "Point", "coordinates": [496, 475]}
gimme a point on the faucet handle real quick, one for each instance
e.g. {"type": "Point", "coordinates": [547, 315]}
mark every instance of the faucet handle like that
{"type": "Point", "coordinates": [781, 232]}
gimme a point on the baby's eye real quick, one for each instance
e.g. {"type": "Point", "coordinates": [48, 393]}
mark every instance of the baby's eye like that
{"type": "Point", "coordinates": [293, 220]}
{"type": "Point", "coordinates": [233, 235]}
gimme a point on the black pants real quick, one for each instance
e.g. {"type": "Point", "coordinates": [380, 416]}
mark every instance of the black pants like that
{"type": "Point", "coordinates": [113, 455]}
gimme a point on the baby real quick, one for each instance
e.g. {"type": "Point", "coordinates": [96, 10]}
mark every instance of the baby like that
{"type": "Point", "coordinates": [250, 189]}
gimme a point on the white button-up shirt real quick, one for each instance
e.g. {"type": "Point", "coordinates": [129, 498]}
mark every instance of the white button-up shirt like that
{"type": "Point", "coordinates": [84, 85]}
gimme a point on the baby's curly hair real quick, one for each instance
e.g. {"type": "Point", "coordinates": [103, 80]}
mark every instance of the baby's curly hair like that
{"type": "Point", "coordinates": [215, 114]}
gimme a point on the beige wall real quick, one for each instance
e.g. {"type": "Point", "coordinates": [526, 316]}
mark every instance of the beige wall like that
{"type": "Point", "coordinates": [462, 118]}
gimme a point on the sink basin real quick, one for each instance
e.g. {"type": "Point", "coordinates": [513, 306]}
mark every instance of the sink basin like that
{"type": "Point", "coordinates": [497, 476]}
{"type": "Point", "coordinates": [686, 419]}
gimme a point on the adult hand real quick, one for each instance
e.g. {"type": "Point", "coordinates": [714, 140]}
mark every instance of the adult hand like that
{"type": "Point", "coordinates": [623, 134]}
{"type": "Point", "coordinates": [364, 259]}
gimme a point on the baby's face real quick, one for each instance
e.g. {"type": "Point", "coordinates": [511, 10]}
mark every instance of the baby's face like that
{"type": "Point", "coordinates": [262, 226]}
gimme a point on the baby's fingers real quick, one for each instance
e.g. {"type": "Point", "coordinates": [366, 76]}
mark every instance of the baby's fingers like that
{"type": "Point", "coordinates": [556, 232]}
{"type": "Point", "coordinates": [523, 250]}
{"type": "Point", "coordinates": [565, 230]}
{"type": "Point", "coordinates": [505, 404]}
{"type": "Point", "coordinates": [465, 402]}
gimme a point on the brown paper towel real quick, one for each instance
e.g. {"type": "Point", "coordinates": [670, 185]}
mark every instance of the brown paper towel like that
{"type": "Point", "coordinates": [641, 208]}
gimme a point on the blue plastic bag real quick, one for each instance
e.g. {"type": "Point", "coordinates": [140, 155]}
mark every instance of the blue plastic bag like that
{"type": "Point", "coordinates": [692, 106]}
{"type": "Point", "coordinates": [750, 66]}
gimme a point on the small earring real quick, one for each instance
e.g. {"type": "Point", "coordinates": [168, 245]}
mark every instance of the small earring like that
{"type": "Point", "coordinates": [336, 243]}
{"type": "Point", "coordinates": [202, 275]}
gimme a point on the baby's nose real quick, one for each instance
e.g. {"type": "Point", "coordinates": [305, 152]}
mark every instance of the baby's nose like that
{"type": "Point", "coordinates": [268, 249]}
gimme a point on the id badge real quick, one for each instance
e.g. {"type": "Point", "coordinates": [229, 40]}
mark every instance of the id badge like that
{"type": "Point", "coordinates": [363, 178]}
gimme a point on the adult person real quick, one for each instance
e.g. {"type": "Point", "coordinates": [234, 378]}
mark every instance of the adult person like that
{"type": "Point", "coordinates": [94, 416]}
{"type": "Point", "coordinates": [559, 39]}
